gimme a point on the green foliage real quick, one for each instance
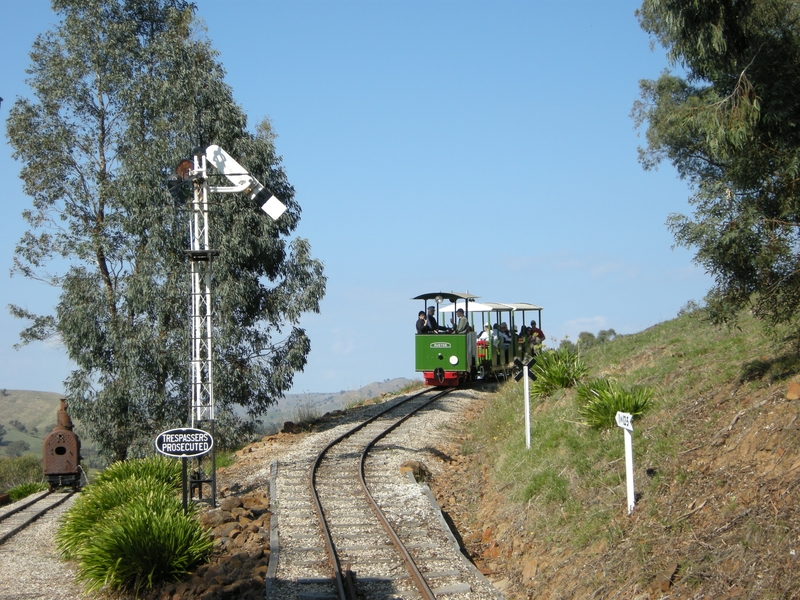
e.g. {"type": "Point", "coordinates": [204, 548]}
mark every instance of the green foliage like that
{"type": "Point", "coordinates": [127, 530]}
{"type": "Point", "coordinates": [156, 468]}
{"type": "Point", "coordinates": [2, 432]}
{"type": "Point", "coordinates": [17, 448]}
{"type": "Point", "coordinates": [546, 485]}
{"type": "Point", "coordinates": [141, 543]}
{"type": "Point", "coordinates": [556, 369]}
{"type": "Point", "coordinates": [23, 490]}
{"type": "Point", "coordinates": [123, 90]}
{"type": "Point", "coordinates": [19, 470]}
{"type": "Point", "coordinates": [600, 400]}
{"type": "Point", "coordinates": [729, 128]}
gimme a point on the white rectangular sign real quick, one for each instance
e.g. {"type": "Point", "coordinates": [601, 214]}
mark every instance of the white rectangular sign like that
{"type": "Point", "coordinates": [625, 420]}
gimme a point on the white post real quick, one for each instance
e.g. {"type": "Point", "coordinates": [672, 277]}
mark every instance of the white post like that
{"type": "Point", "coordinates": [527, 408]}
{"type": "Point", "coordinates": [625, 420]}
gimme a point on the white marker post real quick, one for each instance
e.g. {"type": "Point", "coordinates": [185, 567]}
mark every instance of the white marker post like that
{"type": "Point", "coordinates": [625, 420]}
{"type": "Point", "coordinates": [527, 408]}
{"type": "Point", "coordinates": [524, 369]}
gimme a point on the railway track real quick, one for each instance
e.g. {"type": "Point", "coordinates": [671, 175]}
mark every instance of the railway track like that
{"type": "Point", "coordinates": [17, 516]}
{"type": "Point", "coordinates": [347, 524]}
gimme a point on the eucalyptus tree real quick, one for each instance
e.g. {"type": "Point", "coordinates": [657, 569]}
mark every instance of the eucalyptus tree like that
{"type": "Point", "coordinates": [728, 119]}
{"type": "Point", "coordinates": [122, 91]}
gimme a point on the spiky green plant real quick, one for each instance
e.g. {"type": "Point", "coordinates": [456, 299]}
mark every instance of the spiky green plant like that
{"type": "Point", "coordinates": [600, 400]}
{"type": "Point", "coordinates": [97, 502]}
{"type": "Point", "coordinates": [25, 489]}
{"type": "Point", "coordinates": [140, 543]}
{"type": "Point", "coordinates": [556, 369]}
{"type": "Point", "coordinates": [157, 468]}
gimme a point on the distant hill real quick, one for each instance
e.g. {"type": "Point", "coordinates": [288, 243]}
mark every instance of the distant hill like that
{"type": "Point", "coordinates": [36, 411]}
{"type": "Point", "coordinates": [287, 408]}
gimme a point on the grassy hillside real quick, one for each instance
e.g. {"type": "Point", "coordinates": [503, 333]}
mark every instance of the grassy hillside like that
{"type": "Point", "coordinates": [717, 470]}
{"type": "Point", "coordinates": [35, 410]}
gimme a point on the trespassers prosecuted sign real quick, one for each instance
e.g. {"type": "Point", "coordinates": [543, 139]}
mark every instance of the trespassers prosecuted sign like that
{"type": "Point", "coordinates": [184, 443]}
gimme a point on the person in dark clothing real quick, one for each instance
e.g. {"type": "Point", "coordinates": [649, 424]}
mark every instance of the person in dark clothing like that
{"type": "Point", "coordinates": [422, 323]}
{"type": "Point", "coordinates": [432, 324]}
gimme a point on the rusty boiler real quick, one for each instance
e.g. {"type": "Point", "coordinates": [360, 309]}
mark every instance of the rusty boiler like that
{"type": "Point", "coordinates": [61, 453]}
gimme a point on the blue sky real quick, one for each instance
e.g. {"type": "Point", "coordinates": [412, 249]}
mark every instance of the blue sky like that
{"type": "Point", "coordinates": [434, 145]}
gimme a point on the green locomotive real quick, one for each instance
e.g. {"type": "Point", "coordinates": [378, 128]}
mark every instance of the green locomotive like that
{"type": "Point", "coordinates": [451, 356]}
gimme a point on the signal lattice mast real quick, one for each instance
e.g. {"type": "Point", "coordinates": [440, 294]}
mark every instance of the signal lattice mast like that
{"type": "Point", "coordinates": [201, 257]}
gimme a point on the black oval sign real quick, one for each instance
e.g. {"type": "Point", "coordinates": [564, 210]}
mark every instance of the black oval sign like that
{"type": "Point", "coordinates": [184, 443]}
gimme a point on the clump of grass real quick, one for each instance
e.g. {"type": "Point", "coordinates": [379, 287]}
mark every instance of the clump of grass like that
{"type": "Point", "coordinates": [555, 370]}
{"type": "Point", "coordinates": [24, 490]}
{"type": "Point", "coordinates": [128, 530]}
{"type": "Point", "coordinates": [98, 502]}
{"type": "Point", "coordinates": [305, 414]}
{"type": "Point", "coordinates": [600, 401]}
{"type": "Point", "coordinates": [157, 468]}
{"type": "Point", "coordinates": [145, 541]}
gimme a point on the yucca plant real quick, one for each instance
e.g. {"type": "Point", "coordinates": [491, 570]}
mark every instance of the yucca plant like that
{"type": "Point", "coordinates": [141, 543]}
{"type": "Point", "coordinates": [556, 369]}
{"type": "Point", "coordinates": [600, 400]}
{"type": "Point", "coordinates": [128, 530]}
{"type": "Point", "coordinates": [97, 503]}
{"type": "Point", "coordinates": [158, 468]}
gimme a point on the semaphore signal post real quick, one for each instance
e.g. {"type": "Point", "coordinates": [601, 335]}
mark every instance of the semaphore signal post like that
{"type": "Point", "coordinates": [201, 257]}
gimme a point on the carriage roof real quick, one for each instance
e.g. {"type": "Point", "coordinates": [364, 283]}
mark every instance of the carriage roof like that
{"type": "Point", "coordinates": [451, 296]}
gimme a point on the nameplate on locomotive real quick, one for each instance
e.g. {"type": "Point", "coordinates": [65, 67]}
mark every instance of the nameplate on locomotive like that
{"type": "Point", "coordinates": [184, 443]}
{"type": "Point", "coordinates": [440, 345]}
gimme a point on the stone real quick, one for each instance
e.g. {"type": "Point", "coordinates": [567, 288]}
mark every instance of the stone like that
{"type": "Point", "coordinates": [663, 579]}
{"type": "Point", "coordinates": [793, 393]}
{"type": "Point", "coordinates": [529, 570]}
{"type": "Point", "coordinates": [229, 503]}
{"type": "Point", "coordinates": [224, 530]}
{"type": "Point", "coordinates": [420, 471]}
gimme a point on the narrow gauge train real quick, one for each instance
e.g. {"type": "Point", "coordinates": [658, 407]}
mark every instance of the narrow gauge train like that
{"type": "Point", "coordinates": [449, 359]}
{"type": "Point", "coordinates": [61, 453]}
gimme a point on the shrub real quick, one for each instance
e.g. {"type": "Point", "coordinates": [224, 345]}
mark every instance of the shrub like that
{"type": "Point", "coordinates": [157, 468]}
{"type": "Point", "coordinates": [600, 400]}
{"type": "Point", "coordinates": [18, 492]}
{"type": "Point", "coordinates": [128, 531]}
{"type": "Point", "coordinates": [19, 470]}
{"type": "Point", "coordinates": [141, 543]}
{"type": "Point", "coordinates": [98, 502]}
{"type": "Point", "coordinates": [556, 369]}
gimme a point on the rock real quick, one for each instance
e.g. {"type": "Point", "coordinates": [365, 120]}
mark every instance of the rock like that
{"type": "Point", "coordinates": [290, 427]}
{"type": "Point", "coordinates": [793, 393]}
{"type": "Point", "coordinates": [663, 580]}
{"type": "Point", "coordinates": [529, 570]}
{"type": "Point", "coordinates": [225, 530]}
{"type": "Point", "coordinates": [420, 471]}
{"type": "Point", "coordinates": [230, 503]}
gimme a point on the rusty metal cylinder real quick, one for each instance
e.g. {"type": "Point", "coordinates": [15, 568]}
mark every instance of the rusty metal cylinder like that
{"type": "Point", "coordinates": [61, 452]}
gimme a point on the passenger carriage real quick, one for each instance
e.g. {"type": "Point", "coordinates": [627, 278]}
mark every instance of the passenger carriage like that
{"type": "Point", "coordinates": [450, 359]}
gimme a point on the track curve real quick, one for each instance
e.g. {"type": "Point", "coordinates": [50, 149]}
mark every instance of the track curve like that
{"type": "Point", "coordinates": [350, 527]}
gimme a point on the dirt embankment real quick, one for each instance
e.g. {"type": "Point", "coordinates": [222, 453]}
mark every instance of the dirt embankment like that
{"type": "Point", "coordinates": [723, 520]}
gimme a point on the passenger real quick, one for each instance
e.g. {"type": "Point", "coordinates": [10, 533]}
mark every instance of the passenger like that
{"type": "Point", "coordinates": [484, 337]}
{"type": "Point", "coordinates": [523, 337]}
{"type": "Point", "coordinates": [535, 334]}
{"type": "Point", "coordinates": [422, 323]}
{"type": "Point", "coordinates": [432, 324]}
{"type": "Point", "coordinates": [497, 336]}
{"type": "Point", "coordinates": [505, 334]}
{"type": "Point", "coordinates": [463, 325]}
